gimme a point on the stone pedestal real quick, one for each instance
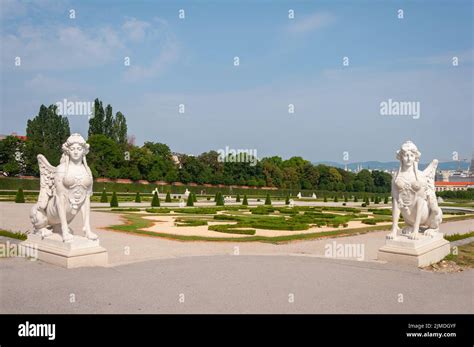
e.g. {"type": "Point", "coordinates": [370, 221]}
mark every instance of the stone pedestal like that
{"type": "Point", "coordinates": [422, 252]}
{"type": "Point", "coordinates": [80, 252]}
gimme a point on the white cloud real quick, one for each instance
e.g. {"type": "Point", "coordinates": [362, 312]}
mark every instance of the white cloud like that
{"type": "Point", "coordinates": [310, 23]}
{"type": "Point", "coordinates": [56, 47]}
{"type": "Point", "coordinates": [168, 54]}
{"type": "Point", "coordinates": [135, 29]}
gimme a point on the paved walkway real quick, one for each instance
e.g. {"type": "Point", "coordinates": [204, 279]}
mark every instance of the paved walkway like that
{"type": "Point", "coordinates": [233, 284]}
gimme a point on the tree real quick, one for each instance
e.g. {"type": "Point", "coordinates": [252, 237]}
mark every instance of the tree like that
{"type": "Point", "coordinates": [20, 197]}
{"type": "Point", "coordinates": [268, 201]}
{"type": "Point", "coordinates": [245, 202]}
{"type": "Point", "coordinates": [96, 122]}
{"type": "Point", "coordinates": [365, 177]}
{"type": "Point", "coordinates": [105, 157]}
{"type": "Point", "coordinates": [12, 156]}
{"type": "Point", "coordinates": [46, 134]}
{"type": "Point", "coordinates": [138, 197]}
{"type": "Point", "coordinates": [109, 122]}
{"type": "Point", "coordinates": [385, 201]}
{"type": "Point", "coordinates": [168, 197]}
{"type": "Point", "coordinates": [219, 199]}
{"type": "Point", "coordinates": [190, 201]}
{"type": "Point", "coordinates": [114, 200]}
{"type": "Point", "coordinates": [155, 202]}
{"type": "Point", "coordinates": [120, 129]}
{"type": "Point", "coordinates": [103, 197]}
{"type": "Point", "coordinates": [237, 199]}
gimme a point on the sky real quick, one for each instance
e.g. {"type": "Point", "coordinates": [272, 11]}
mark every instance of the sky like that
{"type": "Point", "coordinates": [282, 61]}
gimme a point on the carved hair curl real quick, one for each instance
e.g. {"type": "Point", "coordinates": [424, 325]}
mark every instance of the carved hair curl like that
{"type": "Point", "coordinates": [408, 146]}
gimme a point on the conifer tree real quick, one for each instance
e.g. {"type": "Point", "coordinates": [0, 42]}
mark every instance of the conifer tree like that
{"type": "Point", "coordinates": [155, 202]}
{"type": "Point", "coordinates": [114, 200]}
{"type": "Point", "coordinates": [20, 197]}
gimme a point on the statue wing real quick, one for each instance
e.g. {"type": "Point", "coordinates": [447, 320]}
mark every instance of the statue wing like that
{"type": "Point", "coordinates": [430, 173]}
{"type": "Point", "coordinates": [47, 184]}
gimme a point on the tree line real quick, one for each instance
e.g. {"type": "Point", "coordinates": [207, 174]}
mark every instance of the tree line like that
{"type": "Point", "coordinates": [111, 155]}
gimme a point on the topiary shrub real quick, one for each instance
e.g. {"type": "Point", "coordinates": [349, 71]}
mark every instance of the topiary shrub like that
{"type": "Point", "coordinates": [219, 199]}
{"type": "Point", "coordinates": [103, 197]}
{"type": "Point", "coordinates": [155, 202]}
{"type": "Point", "coordinates": [168, 197]}
{"type": "Point", "coordinates": [114, 200]}
{"type": "Point", "coordinates": [138, 197]}
{"type": "Point", "coordinates": [20, 197]}
{"type": "Point", "coordinates": [190, 201]}
{"type": "Point", "coordinates": [268, 201]}
{"type": "Point", "coordinates": [287, 200]}
{"type": "Point", "coordinates": [237, 199]}
{"type": "Point", "coordinates": [245, 202]}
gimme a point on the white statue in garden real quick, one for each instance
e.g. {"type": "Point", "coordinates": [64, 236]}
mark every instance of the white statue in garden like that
{"type": "Point", "coordinates": [413, 196]}
{"type": "Point", "coordinates": [186, 193]}
{"type": "Point", "coordinates": [64, 191]}
{"type": "Point", "coordinates": [299, 195]}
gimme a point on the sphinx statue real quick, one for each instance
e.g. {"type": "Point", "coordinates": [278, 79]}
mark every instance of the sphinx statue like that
{"type": "Point", "coordinates": [413, 196]}
{"type": "Point", "coordinates": [64, 191]}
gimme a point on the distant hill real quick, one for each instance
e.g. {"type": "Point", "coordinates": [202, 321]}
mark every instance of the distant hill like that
{"type": "Point", "coordinates": [393, 165]}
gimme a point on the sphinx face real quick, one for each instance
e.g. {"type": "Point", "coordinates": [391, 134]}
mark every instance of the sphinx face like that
{"type": "Point", "coordinates": [408, 159]}
{"type": "Point", "coordinates": [76, 151]}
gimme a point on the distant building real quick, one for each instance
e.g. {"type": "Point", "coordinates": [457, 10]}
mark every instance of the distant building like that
{"type": "Point", "coordinates": [21, 137]}
{"type": "Point", "coordinates": [453, 186]}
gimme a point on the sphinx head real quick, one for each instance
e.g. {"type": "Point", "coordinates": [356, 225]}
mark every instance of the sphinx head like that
{"type": "Point", "coordinates": [75, 147]}
{"type": "Point", "coordinates": [408, 154]}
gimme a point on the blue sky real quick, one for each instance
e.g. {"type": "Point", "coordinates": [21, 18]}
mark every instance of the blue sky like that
{"type": "Point", "coordinates": [282, 61]}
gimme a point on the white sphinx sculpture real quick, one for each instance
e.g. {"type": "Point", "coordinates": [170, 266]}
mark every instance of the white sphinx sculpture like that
{"type": "Point", "coordinates": [413, 196]}
{"type": "Point", "coordinates": [420, 243]}
{"type": "Point", "coordinates": [64, 191]}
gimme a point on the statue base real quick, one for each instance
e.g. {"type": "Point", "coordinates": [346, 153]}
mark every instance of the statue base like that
{"type": "Point", "coordinates": [421, 252]}
{"type": "Point", "coordinates": [80, 252]}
